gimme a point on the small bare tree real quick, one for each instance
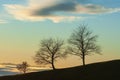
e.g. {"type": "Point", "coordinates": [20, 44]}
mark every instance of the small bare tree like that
{"type": "Point", "coordinates": [83, 42]}
{"type": "Point", "coordinates": [23, 67]}
{"type": "Point", "coordinates": [50, 50]}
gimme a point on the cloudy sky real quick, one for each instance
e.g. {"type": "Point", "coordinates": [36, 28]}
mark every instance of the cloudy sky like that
{"type": "Point", "coordinates": [10, 69]}
{"type": "Point", "coordinates": [23, 23]}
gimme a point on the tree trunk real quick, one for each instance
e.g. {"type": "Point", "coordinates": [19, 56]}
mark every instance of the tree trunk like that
{"type": "Point", "coordinates": [24, 72]}
{"type": "Point", "coordinates": [53, 66]}
{"type": "Point", "coordinates": [83, 59]}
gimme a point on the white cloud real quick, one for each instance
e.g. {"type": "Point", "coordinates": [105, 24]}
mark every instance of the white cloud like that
{"type": "Point", "coordinates": [40, 10]}
{"type": "Point", "coordinates": [95, 9]}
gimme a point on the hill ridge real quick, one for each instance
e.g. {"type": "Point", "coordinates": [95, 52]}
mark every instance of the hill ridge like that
{"type": "Point", "coordinates": [108, 70]}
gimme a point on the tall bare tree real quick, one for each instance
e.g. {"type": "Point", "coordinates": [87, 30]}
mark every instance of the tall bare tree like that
{"type": "Point", "coordinates": [23, 67]}
{"type": "Point", "coordinates": [83, 42]}
{"type": "Point", "coordinates": [50, 50]}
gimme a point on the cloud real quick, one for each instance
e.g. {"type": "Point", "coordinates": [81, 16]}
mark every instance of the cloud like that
{"type": "Point", "coordinates": [95, 9]}
{"type": "Point", "coordinates": [2, 21]}
{"type": "Point", "coordinates": [10, 69]}
{"type": "Point", "coordinates": [27, 13]}
{"type": "Point", "coordinates": [55, 10]}
{"type": "Point", "coordinates": [63, 6]}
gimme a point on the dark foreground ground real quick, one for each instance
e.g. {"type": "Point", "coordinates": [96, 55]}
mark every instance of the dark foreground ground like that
{"type": "Point", "coordinates": [109, 70]}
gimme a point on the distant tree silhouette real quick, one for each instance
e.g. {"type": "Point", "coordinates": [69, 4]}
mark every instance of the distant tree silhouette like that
{"type": "Point", "coordinates": [23, 67]}
{"type": "Point", "coordinates": [83, 42]}
{"type": "Point", "coordinates": [50, 50]}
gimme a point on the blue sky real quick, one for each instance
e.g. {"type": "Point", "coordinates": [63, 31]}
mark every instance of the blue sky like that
{"type": "Point", "coordinates": [23, 23]}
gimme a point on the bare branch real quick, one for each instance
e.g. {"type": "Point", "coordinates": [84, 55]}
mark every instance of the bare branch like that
{"type": "Point", "coordinates": [49, 51]}
{"type": "Point", "coordinates": [83, 42]}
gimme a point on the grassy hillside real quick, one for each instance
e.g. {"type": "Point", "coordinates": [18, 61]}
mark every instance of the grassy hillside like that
{"type": "Point", "coordinates": [109, 70]}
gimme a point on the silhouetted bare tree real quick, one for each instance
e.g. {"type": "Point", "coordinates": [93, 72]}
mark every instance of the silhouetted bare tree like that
{"type": "Point", "coordinates": [23, 67]}
{"type": "Point", "coordinates": [83, 42]}
{"type": "Point", "coordinates": [50, 50]}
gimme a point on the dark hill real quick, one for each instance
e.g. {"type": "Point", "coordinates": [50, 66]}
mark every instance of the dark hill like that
{"type": "Point", "coordinates": [109, 70]}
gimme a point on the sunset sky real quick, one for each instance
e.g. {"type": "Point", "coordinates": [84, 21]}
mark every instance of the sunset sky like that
{"type": "Point", "coordinates": [23, 23]}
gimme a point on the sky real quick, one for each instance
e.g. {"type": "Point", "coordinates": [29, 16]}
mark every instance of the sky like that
{"type": "Point", "coordinates": [23, 23]}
